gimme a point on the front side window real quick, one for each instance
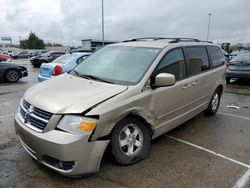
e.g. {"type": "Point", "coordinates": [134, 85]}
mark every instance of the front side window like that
{"type": "Point", "coordinates": [173, 63]}
{"type": "Point", "coordinates": [118, 64]}
{"type": "Point", "coordinates": [216, 56]}
{"type": "Point", "coordinates": [198, 60]}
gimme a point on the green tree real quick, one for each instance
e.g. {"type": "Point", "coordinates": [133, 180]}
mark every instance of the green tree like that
{"type": "Point", "coordinates": [33, 42]}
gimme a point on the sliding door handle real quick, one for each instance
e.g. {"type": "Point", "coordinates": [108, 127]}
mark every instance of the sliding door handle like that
{"type": "Point", "coordinates": [186, 86]}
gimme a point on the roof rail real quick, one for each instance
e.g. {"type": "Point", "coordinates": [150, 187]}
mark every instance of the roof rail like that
{"type": "Point", "coordinates": [145, 38]}
{"type": "Point", "coordinates": [172, 40]}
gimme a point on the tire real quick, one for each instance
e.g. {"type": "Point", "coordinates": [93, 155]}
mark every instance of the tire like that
{"type": "Point", "coordinates": [214, 103]}
{"type": "Point", "coordinates": [130, 141]}
{"type": "Point", "coordinates": [228, 80]}
{"type": "Point", "coordinates": [12, 75]}
{"type": "Point", "coordinates": [37, 64]}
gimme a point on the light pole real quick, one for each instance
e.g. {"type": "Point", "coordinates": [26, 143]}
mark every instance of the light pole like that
{"type": "Point", "coordinates": [102, 25]}
{"type": "Point", "coordinates": [208, 27]}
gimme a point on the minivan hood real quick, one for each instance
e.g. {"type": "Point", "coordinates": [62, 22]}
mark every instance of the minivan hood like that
{"type": "Point", "coordinates": [66, 94]}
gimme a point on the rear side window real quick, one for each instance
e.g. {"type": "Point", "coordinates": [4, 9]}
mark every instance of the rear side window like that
{"type": "Point", "coordinates": [173, 63]}
{"type": "Point", "coordinates": [216, 56]}
{"type": "Point", "coordinates": [198, 60]}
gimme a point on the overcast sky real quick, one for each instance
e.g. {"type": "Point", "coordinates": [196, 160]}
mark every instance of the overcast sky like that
{"type": "Point", "coordinates": [69, 21]}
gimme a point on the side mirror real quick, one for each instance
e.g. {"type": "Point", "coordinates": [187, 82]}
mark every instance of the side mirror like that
{"type": "Point", "coordinates": [164, 79]}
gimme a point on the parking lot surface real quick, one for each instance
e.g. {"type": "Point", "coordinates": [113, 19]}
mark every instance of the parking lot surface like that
{"type": "Point", "coordinates": [206, 151]}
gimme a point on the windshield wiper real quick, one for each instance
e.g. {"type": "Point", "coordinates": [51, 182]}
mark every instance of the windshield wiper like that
{"type": "Point", "coordinates": [77, 73]}
{"type": "Point", "coordinates": [87, 76]}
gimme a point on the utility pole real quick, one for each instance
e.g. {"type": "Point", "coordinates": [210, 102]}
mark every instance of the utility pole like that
{"type": "Point", "coordinates": [208, 27]}
{"type": "Point", "coordinates": [102, 24]}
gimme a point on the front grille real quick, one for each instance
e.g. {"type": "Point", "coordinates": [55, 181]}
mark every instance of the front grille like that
{"type": "Point", "coordinates": [63, 165]}
{"type": "Point", "coordinates": [33, 117]}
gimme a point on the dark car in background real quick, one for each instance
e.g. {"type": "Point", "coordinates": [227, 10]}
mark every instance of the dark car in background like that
{"type": "Point", "coordinates": [10, 72]}
{"type": "Point", "coordinates": [22, 54]}
{"type": "Point", "coordinates": [47, 57]}
{"type": "Point", "coordinates": [238, 67]}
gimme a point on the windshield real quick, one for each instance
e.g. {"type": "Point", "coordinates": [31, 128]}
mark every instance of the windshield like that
{"type": "Point", "coordinates": [46, 53]}
{"type": "Point", "coordinates": [242, 58]}
{"type": "Point", "coordinates": [118, 64]}
{"type": "Point", "coordinates": [65, 58]}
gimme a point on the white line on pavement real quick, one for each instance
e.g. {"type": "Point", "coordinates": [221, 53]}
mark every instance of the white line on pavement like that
{"type": "Point", "coordinates": [209, 151]}
{"type": "Point", "coordinates": [243, 181]}
{"type": "Point", "coordinates": [226, 114]}
{"type": "Point", "coordinates": [6, 115]}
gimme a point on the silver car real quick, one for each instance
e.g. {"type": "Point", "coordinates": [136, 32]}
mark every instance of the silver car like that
{"type": "Point", "coordinates": [125, 95]}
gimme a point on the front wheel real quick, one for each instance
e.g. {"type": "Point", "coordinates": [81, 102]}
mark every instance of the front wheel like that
{"type": "Point", "coordinates": [130, 141]}
{"type": "Point", "coordinates": [214, 103]}
{"type": "Point", "coordinates": [12, 75]}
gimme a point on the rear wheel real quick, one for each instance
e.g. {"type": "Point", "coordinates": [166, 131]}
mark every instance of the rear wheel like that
{"type": "Point", "coordinates": [12, 75]}
{"type": "Point", "coordinates": [214, 103]}
{"type": "Point", "coordinates": [130, 141]}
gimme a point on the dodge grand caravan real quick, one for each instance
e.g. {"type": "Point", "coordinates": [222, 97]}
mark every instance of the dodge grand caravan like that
{"type": "Point", "coordinates": [124, 95]}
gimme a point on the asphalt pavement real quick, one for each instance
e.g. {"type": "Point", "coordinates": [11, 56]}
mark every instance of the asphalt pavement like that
{"type": "Point", "coordinates": [206, 151]}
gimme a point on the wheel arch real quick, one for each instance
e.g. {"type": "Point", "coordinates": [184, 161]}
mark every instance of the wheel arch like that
{"type": "Point", "coordinates": [220, 87]}
{"type": "Point", "coordinates": [137, 116]}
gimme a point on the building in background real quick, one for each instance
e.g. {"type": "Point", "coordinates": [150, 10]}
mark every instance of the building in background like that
{"type": "Point", "coordinates": [91, 44]}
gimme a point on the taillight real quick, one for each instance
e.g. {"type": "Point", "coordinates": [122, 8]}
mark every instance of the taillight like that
{"type": "Point", "coordinates": [57, 70]}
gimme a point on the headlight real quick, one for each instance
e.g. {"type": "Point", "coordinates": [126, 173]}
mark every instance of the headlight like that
{"type": "Point", "coordinates": [77, 124]}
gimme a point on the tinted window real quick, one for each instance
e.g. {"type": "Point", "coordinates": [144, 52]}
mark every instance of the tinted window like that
{"type": "Point", "coordinates": [173, 63]}
{"type": "Point", "coordinates": [216, 56]}
{"type": "Point", "coordinates": [198, 60]}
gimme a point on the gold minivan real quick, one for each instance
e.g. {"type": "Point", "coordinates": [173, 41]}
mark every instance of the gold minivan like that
{"type": "Point", "coordinates": [125, 95]}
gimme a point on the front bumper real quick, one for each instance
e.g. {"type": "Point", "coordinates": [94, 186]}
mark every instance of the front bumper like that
{"type": "Point", "coordinates": [66, 153]}
{"type": "Point", "coordinates": [24, 73]}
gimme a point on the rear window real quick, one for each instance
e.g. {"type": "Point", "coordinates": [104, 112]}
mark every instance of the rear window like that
{"type": "Point", "coordinates": [198, 60]}
{"type": "Point", "coordinates": [242, 57]}
{"type": "Point", "coordinates": [216, 56]}
{"type": "Point", "coordinates": [65, 58]}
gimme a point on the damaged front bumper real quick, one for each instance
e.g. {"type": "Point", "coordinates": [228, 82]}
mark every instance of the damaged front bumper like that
{"type": "Point", "coordinates": [66, 153]}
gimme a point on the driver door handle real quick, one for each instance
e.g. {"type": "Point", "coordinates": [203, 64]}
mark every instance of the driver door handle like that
{"type": "Point", "coordinates": [195, 83]}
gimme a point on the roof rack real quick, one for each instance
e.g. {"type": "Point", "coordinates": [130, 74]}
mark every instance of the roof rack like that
{"type": "Point", "coordinates": [172, 40]}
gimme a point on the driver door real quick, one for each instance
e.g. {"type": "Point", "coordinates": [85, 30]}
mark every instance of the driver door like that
{"type": "Point", "coordinates": [172, 103]}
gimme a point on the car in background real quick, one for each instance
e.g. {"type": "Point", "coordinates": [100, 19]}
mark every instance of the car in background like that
{"type": "Point", "coordinates": [62, 64]}
{"type": "Point", "coordinates": [10, 72]}
{"type": "Point", "coordinates": [32, 53]}
{"type": "Point", "coordinates": [22, 54]}
{"type": "Point", "coordinates": [47, 57]}
{"type": "Point", "coordinates": [4, 57]}
{"type": "Point", "coordinates": [238, 67]}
